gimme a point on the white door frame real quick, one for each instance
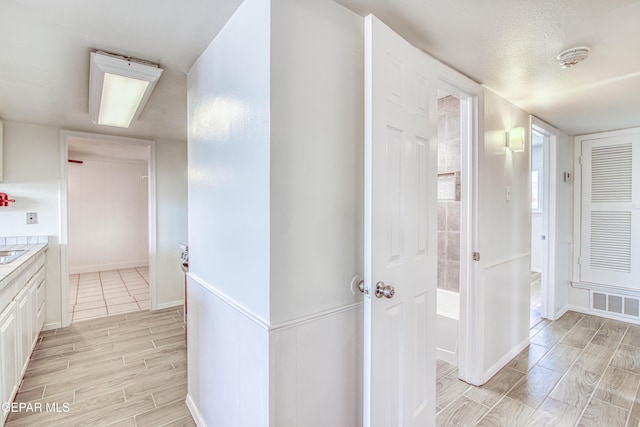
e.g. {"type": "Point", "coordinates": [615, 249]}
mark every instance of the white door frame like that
{"type": "Point", "coordinates": [470, 337]}
{"type": "Point", "coordinates": [64, 212]}
{"type": "Point", "coordinates": [549, 185]}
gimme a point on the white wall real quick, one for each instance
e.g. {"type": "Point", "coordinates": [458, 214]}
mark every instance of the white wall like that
{"type": "Point", "coordinates": [108, 214]}
{"type": "Point", "coordinates": [229, 98]}
{"type": "Point", "coordinates": [171, 219]}
{"type": "Point", "coordinates": [317, 156]}
{"type": "Point", "coordinates": [32, 177]}
{"type": "Point", "coordinates": [275, 217]}
{"type": "Point", "coordinates": [504, 237]}
{"type": "Point", "coordinates": [229, 248]}
{"type": "Point", "coordinates": [564, 223]}
{"type": "Point", "coordinates": [317, 199]}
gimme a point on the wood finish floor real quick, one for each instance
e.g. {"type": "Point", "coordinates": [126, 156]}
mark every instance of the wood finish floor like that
{"type": "Point", "coordinates": [124, 370]}
{"type": "Point", "coordinates": [580, 370]}
{"type": "Point", "coordinates": [536, 299]}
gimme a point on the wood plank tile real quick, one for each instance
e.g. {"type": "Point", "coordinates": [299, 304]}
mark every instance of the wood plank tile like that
{"type": "Point", "coordinates": [449, 389]}
{"type": "Point", "coordinates": [578, 337]}
{"type": "Point", "coordinates": [507, 413]}
{"type": "Point", "coordinates": [610, 333]}
{"type": "Point", "coordinates": [599, 412]}
{"type": "Point", "coordinates": [618, 387]}
{"type": "Point", "coordinates": [162, 415]}
{"type": "Point", "coordinates": [443, 368]}
{"type": "Point", "coordinates": [177, 392]}
{"type": "Point", "coordinates": [569, 319]}
{"type": "Point", "coordinates": [632, 337]}
{"type": "Point", "coordinates": [590, 322]}
{"type": "Point", "coordinates": [182, 422]}
{"type": "Point", "coordinates": [627, 357]}
{"type": "Point", "coordinates": [535, 387]}
{"type": "Point", "coordinates": [595, 358]}
{"type": "Point", "coordinates": [462, 412]}
{"type": "Point", "coordinates": [490, 393]}
{"type": "Point", "coordinates": [554, 414]}
{"type": "Point", "coordinates": [576, 387]}
{"type": "Point", "coordinates": [634, 417]}
{"type": "Point", "coordinates": [560, 358]}
{"type": "Point", "coordinates": [527, 358]}
{"type": "Point", "coordinates": [549, 336]}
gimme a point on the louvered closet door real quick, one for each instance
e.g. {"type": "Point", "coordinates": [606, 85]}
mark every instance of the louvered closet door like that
{"type": "Point", "coordinates": [610, 247]}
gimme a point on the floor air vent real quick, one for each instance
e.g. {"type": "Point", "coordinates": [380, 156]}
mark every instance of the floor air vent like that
{"type": "Point", "coordinates": [618, 304]}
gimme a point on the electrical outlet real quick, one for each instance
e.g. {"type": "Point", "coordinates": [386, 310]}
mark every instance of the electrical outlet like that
{"type": "Point", "coordinates": [32, 217]}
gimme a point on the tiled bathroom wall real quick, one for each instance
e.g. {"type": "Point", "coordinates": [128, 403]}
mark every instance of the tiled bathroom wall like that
{"type": "Point", "coordinates": [449, 193]}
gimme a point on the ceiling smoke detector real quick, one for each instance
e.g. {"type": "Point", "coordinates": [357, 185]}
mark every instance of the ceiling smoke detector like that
{"type": "Point", "coordinates": [570, 57]}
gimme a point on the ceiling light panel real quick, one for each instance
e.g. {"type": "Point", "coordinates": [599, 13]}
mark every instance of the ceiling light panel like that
{"type": "Point", "coordinates": [119, 88]}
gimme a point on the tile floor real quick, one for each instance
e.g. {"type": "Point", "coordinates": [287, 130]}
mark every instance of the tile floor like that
{"type": "Point", "coordinates": [536, 299]}
{"type": "Point", "coordinates": [105, 293]}
{"type": "Point", "coordinates": [580, 370]}
{"type": "Point", "coordinates": [125, 370]}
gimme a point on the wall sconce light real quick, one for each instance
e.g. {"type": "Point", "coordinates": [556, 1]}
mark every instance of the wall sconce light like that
{"type": "Point", "coordinates": [514, 140]}
{"type": "Point", "coordinates": [119, 87]}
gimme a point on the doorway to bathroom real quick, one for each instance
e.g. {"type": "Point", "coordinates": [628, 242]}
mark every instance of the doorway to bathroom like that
{"type": "Point", "coordinates": [456, 129]}
{"type": "Point", "coordinates": [109, 209]}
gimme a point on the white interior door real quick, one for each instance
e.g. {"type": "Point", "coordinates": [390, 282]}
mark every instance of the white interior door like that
{"type": "Point", "coordinates": [400, 231]}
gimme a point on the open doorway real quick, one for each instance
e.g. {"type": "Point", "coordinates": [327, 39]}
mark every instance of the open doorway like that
{"type": "Point", "coordinates": [108, 214]}
{"type": "Point", "coordinates": [544, 140]}
{"type": "Point", "coordinates": [538, 231]}
{"type": "Point", "coordinates": [456, 133]}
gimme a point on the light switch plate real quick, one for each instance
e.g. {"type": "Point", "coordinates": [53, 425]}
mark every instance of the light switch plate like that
{"type": "Point", "coordinates": [32, 217]}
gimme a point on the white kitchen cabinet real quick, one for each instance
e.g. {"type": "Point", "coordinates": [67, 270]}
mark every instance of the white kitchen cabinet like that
{"type": "Point", "coordinates": [21, 320]}
{"type": "Point", "coordinates": [34, 328]}
{"type": "Point", "coordinates": [24, 327]}
{"type": "Point", "coordinates": [9, 378]}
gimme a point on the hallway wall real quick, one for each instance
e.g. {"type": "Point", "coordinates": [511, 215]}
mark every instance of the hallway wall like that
{"type": "Point", "coordinates": [505, 240]}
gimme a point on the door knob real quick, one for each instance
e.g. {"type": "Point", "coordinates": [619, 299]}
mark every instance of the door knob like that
{"type": "Point", "coordinates": [383, 290]}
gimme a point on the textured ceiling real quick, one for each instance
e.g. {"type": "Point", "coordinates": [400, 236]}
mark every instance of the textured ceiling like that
{"type": "Point", "coordinates": [507, 45]}
{"type": "Point", "coordinates": [510, 47]}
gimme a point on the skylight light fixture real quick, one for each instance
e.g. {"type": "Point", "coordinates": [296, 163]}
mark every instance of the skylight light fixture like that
{"type": "Point", "coordinates": [119, 88]}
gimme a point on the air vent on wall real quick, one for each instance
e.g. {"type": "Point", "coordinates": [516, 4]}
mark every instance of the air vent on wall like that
{"type": "Point", "coordinates": [620, 305]}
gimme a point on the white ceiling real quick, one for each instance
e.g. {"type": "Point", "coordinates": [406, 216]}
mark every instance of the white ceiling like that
{"type": "Point", "coordinates": [507, 45]}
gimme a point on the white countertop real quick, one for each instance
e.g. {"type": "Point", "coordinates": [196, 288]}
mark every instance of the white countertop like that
{"type": "Point", "coordinates": [10, 271]}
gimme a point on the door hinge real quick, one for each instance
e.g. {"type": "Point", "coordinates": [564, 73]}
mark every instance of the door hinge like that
{"type": "Point", "coordinates": [579, 159]}
{"type": "Point", "coordinates": [476, 256]}
{"type": "Point", "coordinates": [579, 260]}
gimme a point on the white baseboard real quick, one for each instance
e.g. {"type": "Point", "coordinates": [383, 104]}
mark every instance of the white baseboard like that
{"type": "Point", "coordinates": [195, 414]}
{"type": "Point", "coordinates": [504, 360]}
{"type": "Point", "coordinates": [107, 267]}
{"type": "Point", "coordinates": [170, 304]}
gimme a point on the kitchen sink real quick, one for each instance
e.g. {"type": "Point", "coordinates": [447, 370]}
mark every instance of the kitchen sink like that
{"type": "Point", "coordinates": [7, 256]}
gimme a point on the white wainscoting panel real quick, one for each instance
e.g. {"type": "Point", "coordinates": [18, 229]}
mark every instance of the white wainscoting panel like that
{"type": "Point", "coordinates": [228, 359]}
{"type": "Point", "coordinates": [317, 370]}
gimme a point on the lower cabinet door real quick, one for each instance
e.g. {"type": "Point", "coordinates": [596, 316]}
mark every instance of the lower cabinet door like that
{"type": "Point", "coordinates": [9, 371]}
{"type": "Point", "coordinates": [24, 328]}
